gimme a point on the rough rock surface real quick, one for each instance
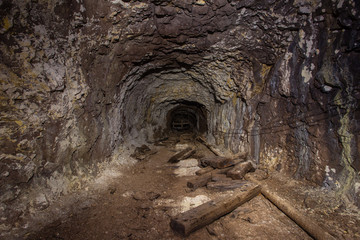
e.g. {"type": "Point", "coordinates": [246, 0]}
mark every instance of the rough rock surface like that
{"type": "Point", "coordinates": [82, 80]}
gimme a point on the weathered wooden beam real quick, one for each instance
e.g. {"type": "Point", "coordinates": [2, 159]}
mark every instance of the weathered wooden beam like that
{"type": "Point", "coordinates": [306, 223]}
{"type": "Point", "coordinates": [239, 170]}
{"type": "Point", "coordinates": [220, 177]}
{"type": "Point", "coordinates": [204, 170]}
{"type": "Point", "coordinates": [217, 162]}
{"type": "Point", "coordinates": [226, 185]}
{"type": "Point", "coordinates": [198, 182]}
{"type": "Point", "coordinates": [188, 154]}
{"type": "Point", "coordinates": [211, 148]}
{"type": "Point", "coordinates": [196, 218]}
{"type": "Point", "coordinates": [310, 226]}
{"type": "Point", "coordinates": [181, 155]}
{"type": "Point", "coordinates": [201, 181]}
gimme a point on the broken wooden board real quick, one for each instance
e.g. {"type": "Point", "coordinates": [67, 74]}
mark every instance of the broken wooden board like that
{"type": "Point", "coordinates": [186, 153]}
{"type": "Point", "coordinates": [196, 218]}
{"type": "Point", "coordinates": [227, 185]}
{"type": "Point", "coordinates": [239, 170]}
{"type": "Point", "coordinates": [307, 224]}
{"type": "Point", "coordinates": [217, 162]}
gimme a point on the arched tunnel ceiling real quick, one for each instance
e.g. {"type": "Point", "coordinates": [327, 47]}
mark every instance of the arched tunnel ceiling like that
{"type": "Point", "coordinates": [176, 33]}
{"type": "Point", "coordinates": [83, 80]}
{"type": "Point", "coordinates": [148, 98]}
{"type": "Point", "coordinates": [207, 52]}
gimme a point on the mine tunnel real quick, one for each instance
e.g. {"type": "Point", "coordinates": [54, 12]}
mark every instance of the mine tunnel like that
{"type": "Point", "coordinates": [169, 119]}
{"type": "Point", "coordinates": [187, 117]}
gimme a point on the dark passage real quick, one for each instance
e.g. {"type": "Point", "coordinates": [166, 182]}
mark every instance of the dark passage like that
{"type": "Point", "coordinates": [183, 121]}
{"type": "Point", "coordinates": [187, 117]}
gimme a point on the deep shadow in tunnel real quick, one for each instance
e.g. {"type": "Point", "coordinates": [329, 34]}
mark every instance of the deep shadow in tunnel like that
{"type": "Point", "coordinates": [187, 117]}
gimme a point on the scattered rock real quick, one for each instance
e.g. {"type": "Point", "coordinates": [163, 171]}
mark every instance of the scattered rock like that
{"type": "Point", "coordinates": [153, 195]}
{"type": "Point", "coordinates": [41, 202]}
{"type": "Point", "coordinates": [181, 146]}
{"type": "Point", "coordinates": [259, 174]}
{"type": "Point", "coordinates": [139, 196]}
{"type": "Point", "coordinates": [112, 190]}
{"type": "Point", "coordinates": [142, 153]}
{"type": "Point", "coordinates": [142, 196]}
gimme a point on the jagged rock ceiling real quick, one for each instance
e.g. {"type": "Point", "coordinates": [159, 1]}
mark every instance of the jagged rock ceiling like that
{"type": "Point", "coordinates": [81, 80]}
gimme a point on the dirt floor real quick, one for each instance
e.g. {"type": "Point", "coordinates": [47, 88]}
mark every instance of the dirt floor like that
{"type": "Point", "coordinates": [140, 203]}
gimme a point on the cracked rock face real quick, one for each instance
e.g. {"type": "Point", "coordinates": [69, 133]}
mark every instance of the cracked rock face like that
{"type": "Point", "coordinates": [82, 80]}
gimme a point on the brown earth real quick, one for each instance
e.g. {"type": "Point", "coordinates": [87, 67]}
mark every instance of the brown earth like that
{"type": "Point", "coordinates": [140, 203]}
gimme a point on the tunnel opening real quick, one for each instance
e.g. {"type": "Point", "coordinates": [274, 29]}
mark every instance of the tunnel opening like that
{"type": "Point", "coordinates": [187, 117]}
{"type": "Point", "coordinates": [183, 121]}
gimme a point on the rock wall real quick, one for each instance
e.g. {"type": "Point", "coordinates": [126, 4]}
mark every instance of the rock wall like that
{"type": "Point", "coordinates": [81, 80]}
{"type": "Point", "coordinates": [309, 116]}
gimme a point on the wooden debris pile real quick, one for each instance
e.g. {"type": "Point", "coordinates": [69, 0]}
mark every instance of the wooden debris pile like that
{"type": "Point", "coordinates": [222, 174]}
{"type": "Point", "coordinates": [196, 218]}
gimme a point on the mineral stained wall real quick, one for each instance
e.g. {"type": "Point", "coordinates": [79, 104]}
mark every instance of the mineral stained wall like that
{"type": "Point", "coordinates": [82, 80]}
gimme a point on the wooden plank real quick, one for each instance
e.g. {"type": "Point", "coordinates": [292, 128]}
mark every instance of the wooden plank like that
{"type": "Point", "coordinates": [227, 185]}
{"type": "Point", "coordinates": [217, 162]}
{"type": "Point", "coordinates": [201, 181]}
{"type": "Point", "coordinates": [188, 154]}
{"type": "Point", "coordinates": [178, 156]}
{"type": "Point", "coordinates": [311, 227]}
{"type": "Point", "coordinates": [211, 148]}
{"type": "Point", "coordinates": [307, 224]}
{"type": "Point", "coordinates": [239, 171]}
{"type": "Point", "coordinates": [204, 170]}
{"type": "Point", "coordinates": [220, 177]}
{"type": "Point", "coordinates": [196, 218]}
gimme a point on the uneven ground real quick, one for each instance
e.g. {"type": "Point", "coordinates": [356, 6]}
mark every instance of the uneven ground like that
{"type": "Point", "coordinates": [140, 203]}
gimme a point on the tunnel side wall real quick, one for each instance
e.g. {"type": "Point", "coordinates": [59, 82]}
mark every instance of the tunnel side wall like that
{"type": "Point", "coordinates": [284, 88]}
